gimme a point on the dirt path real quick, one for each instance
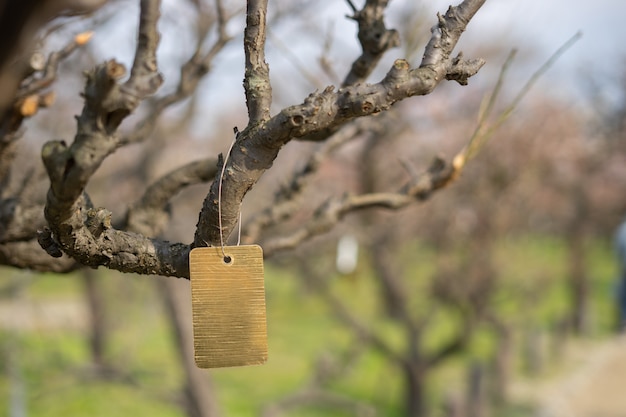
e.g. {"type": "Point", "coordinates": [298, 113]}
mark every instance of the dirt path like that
{"type": "Point", "coordinates": [592, 385]}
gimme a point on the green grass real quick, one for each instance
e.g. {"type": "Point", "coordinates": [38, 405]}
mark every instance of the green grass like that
{"type": "Point", "coordinates": [59, 381]}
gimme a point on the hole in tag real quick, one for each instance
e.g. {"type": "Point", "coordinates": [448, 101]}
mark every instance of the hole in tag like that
{"type": "Point", "coordinates": [227, 259]}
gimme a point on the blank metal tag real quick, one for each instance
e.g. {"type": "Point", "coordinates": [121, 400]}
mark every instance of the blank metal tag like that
{"type": "Point", "coordinates": [228, 303]}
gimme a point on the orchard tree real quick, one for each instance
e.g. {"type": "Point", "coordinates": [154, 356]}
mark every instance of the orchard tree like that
{"type": "Point", "coordinates": [67, 230]}
{"type": "Point", "coordinates": [49, 222]}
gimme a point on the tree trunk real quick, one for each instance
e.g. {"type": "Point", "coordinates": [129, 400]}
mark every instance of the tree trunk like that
{"type": "Point", "coordinates": [579, 285]}
{"type": "Point", "coordinates": [502, 367]}
{"type": "Point", "coordinates": [414, 375]}
{"type": "Point", "coordinates": [475, 390]}
{"type": "Point", "coordinates": [97, 320]}
{"type": "Point", "coordinates": [534, 350]}
{"type": "Point", "coordinates": [198, 391]}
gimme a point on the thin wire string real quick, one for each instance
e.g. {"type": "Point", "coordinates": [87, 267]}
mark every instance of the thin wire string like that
{"type": "Point", "coordinates": [219, 197]}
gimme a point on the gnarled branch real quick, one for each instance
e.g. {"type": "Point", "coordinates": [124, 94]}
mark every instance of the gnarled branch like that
{"type": "Point", "coordinates": [85, 232]}
{"type": "Point", "coordinates": [258, 145]}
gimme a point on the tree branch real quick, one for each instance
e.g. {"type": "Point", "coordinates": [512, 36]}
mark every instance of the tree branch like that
{"type": "Point", "coordinates": [106, 105]}
{"type": "Point", "coordinates": [144, 76]}
{"type": "Point", "coordinates": [191, 73]}
{"type": "Point", "coordinates": [19, 221]}
{"type": "Point", "coordinates": [343, 313]}
{"type": "Point", "coordinates": [149, 215]}
{"type": "Point", "coordinates": [18, 23]}
{"type": "Point", "coordinates": [286, 201]}
{"type": "Point", "coordinates": [439, 175]}
{"type": "Point", "coordinates": [258, 145]}
{"type": "Point", "coordinates": [28, 255]}
{"type": "Point", "coordinates": [447, 32]}
{"type": "Point", "coordinates": [374, 37]}
{"type": "Point", "coordinates": [21, 216]}
{"type": "Point", "coordinates": [436, 54]}
{"type": "Point", "coordinates": [29, 98]}
{"type": "Point", "coordinates": [257, 74]}
{"type": "Point", "coordinates": [49, 71]}
{"type": "Point", "coordinates": [452, 347]}
{"type": "Point", "coordinates": [83, 232]}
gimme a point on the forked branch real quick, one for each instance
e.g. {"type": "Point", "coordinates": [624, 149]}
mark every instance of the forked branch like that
{"type": "Point", "coordinates": [86, 233]}
{"type": "Point", "coordinates": [259, 144]}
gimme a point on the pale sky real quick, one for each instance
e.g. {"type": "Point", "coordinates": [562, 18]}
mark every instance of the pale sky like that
{"type": "Point", "coordinates": [535, 27]}
{"type": "Point", "coordinates": [548, 23]}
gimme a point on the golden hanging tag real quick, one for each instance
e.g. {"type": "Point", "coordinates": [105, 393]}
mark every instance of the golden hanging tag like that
{"type": "Point", "coordinates": [228, 303]}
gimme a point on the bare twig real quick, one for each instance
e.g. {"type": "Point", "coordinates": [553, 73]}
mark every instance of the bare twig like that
{"type": "Point", "coordinates": [439, 175]}
{"type": "Point", "coordinates": [352, 6]}
{"type": "Point", "coordinates": [18, 23]}
{"type": "Point", "coordinates": [191, 73]}
{"type": "Point", "coordinates": [484, 131]}
{"type": "Point", "coordinates": [50, 69]}
{"type": "Point", "coordinates": [31, 96]}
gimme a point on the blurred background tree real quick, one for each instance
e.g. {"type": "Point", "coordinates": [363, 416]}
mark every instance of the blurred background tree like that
{"type": "Point", "coordinates": [463, 279]}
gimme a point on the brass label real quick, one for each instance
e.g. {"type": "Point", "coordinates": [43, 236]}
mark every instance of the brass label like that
{"type": "Point", "coordinates": [228, 303]}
